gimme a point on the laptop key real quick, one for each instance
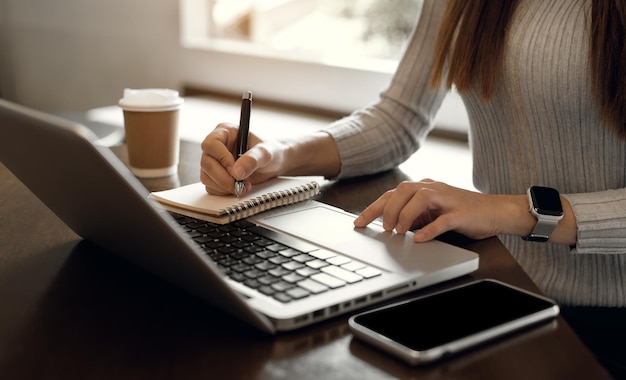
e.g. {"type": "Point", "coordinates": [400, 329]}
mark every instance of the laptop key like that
{"type": "Point", "coordinates": [275, 247]}
{"type": "Point", "coordinates": [227, 262]}
{"type": "Point", "coordinates": [267, 290]}
{"type": "Point", "coordinates": [239, 277]}
{"type": "Point", "coordinates": [278, 260]}
{"type": "Point", "coordinates": [303, 258]}
{"type": "Point", "coordinates": [252, 283]}
{"type": "Point", "coordinates": [254, 273]}
{"type": "Point", "coordinates": [204, 230]}
{"type": "Point", "coordinates": [368, 272]}
{"type": "Point", "coordinates": [328, 280]}
{"type": "Point", "coordinates": [287, 240]}
{"type": "Point", "coordinates": [213, 244]}
{"type": "Point", "coordinates": [242, 244]}
{"type": "Point", "coordinates": [297, 293]}
{"type": "Point", "coordinates": [316, 264]}
{"type": "Point", "coordinates": [312, 286]}
{"type": "Point", "coordinates": [241, 267]}
{"type": "Point", "coordinates": [265, 265]}
{"type": "Point", "coordinates": [306, 271]}
{"type": "Point", "coordinates": [292, 265]}
{"type": "Point", "coordinates": [279, 272]}
{"type": "Point", "coordinates": [289, 252]}
{"type": "Point", "coordinates": [282, 286]}
{"type": "Point", "coordinates": [353, 266]}
{"type": "Point", "coordinates": [253, 260]}
{"type": "Point", "coordinates": [265, 254]}
{"type": "Point", "coordinates": [293, 278]}
{"type": "Point", "coordinates": [201, 239]}
{"type": "Point", "coordinates": [342, 274]}
{"type": "Point", "coordinates": [267, 280]}
{"type": "Point", "coordinates": [194, 225]}
{"type": "Point", "coordinates": [338, 260]}
{"type": "Point", "coordinates": [282, 297]}
{"type": "Point", "coordinates": [226, 250]}
{"type": "Point", "coordinates": [322, 254]}
{"type": "Point", "coordinates": [239, 255]}
{"type": "Point", "coordinates": [262, 242]}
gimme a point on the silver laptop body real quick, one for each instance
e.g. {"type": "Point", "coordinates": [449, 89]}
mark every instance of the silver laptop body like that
{"type": "Point", "coordinates": [95, 194]}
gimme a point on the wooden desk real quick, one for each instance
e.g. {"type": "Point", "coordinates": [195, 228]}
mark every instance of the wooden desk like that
{"type": "Point", "coordinates": [68, 310]}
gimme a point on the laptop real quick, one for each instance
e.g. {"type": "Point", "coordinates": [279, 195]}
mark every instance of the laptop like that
{"type": "Point", "coordinates": [96, 195]}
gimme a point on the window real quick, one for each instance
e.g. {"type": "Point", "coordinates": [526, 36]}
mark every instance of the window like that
{"type": "Point", "coordinates": [355, 33]}
{"type": "Point", "coordinates": [336, 55]}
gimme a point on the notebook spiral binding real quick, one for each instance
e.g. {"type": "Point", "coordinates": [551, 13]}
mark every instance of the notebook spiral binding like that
{"type": "Point", "coordinates": [268, 201]}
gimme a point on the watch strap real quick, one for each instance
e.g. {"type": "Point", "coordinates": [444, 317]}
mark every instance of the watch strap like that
{"type": "Point", "coordinates": [542, 231]}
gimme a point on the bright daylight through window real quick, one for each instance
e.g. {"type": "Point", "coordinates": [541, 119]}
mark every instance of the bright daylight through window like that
{"type": "Point", "coordinates": [336, 55]}
{"type": "Point", "coordinates": [346, 32]}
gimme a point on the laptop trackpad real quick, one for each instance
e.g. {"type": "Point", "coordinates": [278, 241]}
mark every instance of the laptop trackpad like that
{"type": "Point", "coordinates": [334, 230]}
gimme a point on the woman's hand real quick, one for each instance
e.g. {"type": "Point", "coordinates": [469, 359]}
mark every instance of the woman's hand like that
{"type": "Point", "coordinates": [219, 169]}
{"type": "Point", "coordinates": [312, 154]}
{"type": "Point", "coordinates": [435, 208]}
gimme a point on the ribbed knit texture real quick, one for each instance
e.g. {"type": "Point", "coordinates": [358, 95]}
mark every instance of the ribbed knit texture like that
{"type": "Point", "coordinates": [541, 127]}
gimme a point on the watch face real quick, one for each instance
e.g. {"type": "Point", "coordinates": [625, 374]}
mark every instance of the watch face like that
{"type": "Point", "coordinates": [546, 200]}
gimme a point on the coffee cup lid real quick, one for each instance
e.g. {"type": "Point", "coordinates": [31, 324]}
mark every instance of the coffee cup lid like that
{"type": "Point", "coordinates": [150, 99]}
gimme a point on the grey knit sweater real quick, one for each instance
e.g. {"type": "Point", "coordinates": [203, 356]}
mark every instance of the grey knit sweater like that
{"type": "Point", "coordinates": [541, 127]}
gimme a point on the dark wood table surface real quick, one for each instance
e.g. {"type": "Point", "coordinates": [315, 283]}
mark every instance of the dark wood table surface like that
{"type": "Point", "coordinates": [69, 310]}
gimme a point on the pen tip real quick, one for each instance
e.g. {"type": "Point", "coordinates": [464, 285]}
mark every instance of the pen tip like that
{"type": "Point", "coordinates": [238, 188]}
{"type": "Point", "coordinates": [247, 95]}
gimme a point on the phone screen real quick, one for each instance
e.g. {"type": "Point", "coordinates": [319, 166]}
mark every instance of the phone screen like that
{"type": "Point", "coordinates": [432, 321]}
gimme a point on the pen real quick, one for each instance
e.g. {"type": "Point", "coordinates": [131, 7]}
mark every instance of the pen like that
{"type": "Point", "coordinates": [242, 134]}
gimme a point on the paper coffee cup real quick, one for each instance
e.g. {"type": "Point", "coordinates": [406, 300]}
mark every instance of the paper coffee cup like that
{"type": "Point", "coordinates": [151, 126]}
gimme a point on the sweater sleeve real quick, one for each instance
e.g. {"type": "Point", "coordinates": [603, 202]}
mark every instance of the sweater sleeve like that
{"type": "Point", "coordinates": [601, 221]}
{"type": "Point", "coordinates": [383, 135]}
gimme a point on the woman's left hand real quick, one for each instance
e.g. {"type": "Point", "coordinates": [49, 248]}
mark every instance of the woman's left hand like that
{"type": "Point", "coordinates": [435, 207]}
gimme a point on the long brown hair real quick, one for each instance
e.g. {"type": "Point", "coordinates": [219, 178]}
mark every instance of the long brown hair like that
{"type": "Point", "coordinates": [472, 37]}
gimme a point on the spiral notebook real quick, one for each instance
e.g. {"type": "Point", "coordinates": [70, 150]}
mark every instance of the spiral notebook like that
{"type": "Point", "coordinates": [193, 200]}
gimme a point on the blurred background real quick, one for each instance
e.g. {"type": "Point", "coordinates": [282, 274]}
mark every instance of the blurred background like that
{"type": "Point", "coordinates": [77, 54]}
{"type": "Point", "coordinates": [307, 62]}
{"type": "Point", "coordinates": [331, 56]}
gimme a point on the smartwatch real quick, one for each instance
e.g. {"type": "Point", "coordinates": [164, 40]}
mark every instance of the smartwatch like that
{"type": "Point", "coordinates": [545, 205]}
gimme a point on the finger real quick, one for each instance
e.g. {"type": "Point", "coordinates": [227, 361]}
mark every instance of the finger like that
{"type": "Point", "coordinates": [373, 211]}
{"type": "Point", "coordinates": [260, 157]}
{"type": "Point", "coordinates": [217, 159]}
{"type": "Point", "coordinates": [406, 203]}
{"type": "Point", "coordinates": [244, 167]}
{"type": "Point", "coordinates": [215, 177]}
{"type": "Point", "coordinates": [418, 210]}
{"type": "Point", "coordinates": [218, 186]}
{"type": "Point", "coordinates": [435, 228]}
{"type": "Point", "coordinates": [225, 133]}
{"type": "Point", "coordinates": [214, 147]}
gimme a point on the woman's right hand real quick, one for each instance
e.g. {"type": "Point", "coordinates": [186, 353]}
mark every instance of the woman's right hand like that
{"type": "Point", "coordinates": [219, 169]}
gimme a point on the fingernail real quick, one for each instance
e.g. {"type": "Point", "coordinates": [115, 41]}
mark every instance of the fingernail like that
{"type": "Point", "coordinates": [238, 173]}
{"type": "Point", "coordinates": [418, 236]}
{"type": "Point", "coordinates": [358, 220]}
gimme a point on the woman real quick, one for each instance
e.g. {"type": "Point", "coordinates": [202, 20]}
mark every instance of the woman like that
{"type": "Point", "coordinates": [544, 84]}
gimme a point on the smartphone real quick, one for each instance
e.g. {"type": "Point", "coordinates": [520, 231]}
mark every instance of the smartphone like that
{"type": "Point", "coordinates": [438, 325]}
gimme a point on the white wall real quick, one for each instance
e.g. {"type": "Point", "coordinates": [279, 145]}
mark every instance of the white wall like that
{"type": "Point", "coordinates": [70, 55]}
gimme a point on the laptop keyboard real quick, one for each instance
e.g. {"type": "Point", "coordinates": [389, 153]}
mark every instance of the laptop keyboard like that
{"type": "Point", "coordinates": [274, 264]}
